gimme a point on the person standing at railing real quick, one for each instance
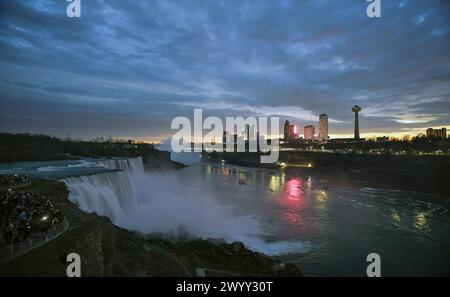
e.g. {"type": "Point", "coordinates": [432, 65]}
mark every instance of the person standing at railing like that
{"type": "Point", "coordinates": [8, 233]}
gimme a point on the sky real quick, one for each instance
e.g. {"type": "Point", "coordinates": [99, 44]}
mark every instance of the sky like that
{"type": "Point", "coordinates": [126, 68]}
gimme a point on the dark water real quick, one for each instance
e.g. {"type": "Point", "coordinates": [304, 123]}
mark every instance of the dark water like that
{"type": "Point", "coordinates": [338, 226]}
{"type": "Point", "coordinates": [326, 228]}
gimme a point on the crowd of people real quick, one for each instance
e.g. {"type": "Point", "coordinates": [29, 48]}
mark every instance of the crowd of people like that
{"type": "Point", "coordinates": [25, 213]}
{"type": "Point", "coordinates": [11, 180]}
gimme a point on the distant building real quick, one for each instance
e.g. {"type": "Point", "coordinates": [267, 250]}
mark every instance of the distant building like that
{"type": "Point", "coordinates": [309, 132]}
{"type": "Point", "coordinates": [437, 133]}
{"type": "Point", "coordinates": [290, 131]}
{"type": "Point", "coordinates": [261, 139]}
{"type": "Point", "coordinates": [323, 128]}
{"type": "Point", "coordinates": [286, 130]}
{"type": "Point", "coordinates": [250, 132]}
{"type": "Point", "coordinates": [293, 131]}
{"type": "Point", "coordinates": [225, 139]}
{"type": "Point", "coordinates": [344, 140]}
{"type": "Point", "coordinates": [382, 139]}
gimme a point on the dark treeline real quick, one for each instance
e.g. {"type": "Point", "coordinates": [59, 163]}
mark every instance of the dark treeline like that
{"type": "Point", "coordinates": [416, 145]}
{"type": "Point", "coordinates": [439, 163]}
{"type": "Point", "coordinates": [28, 147]}
{"type": "Point", "coordinates": [389, 161]}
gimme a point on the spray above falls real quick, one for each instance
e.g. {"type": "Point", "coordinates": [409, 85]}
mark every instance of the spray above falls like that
{"type": "Point", "coordinates": [170, 202]}
{"type": "Point", "coordinates": [108, 194]}
{"type": "Point", "coordinates": [153, 202]}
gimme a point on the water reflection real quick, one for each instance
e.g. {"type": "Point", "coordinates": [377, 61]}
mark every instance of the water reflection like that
{"type": "Point", "coordinates": [293, 191]}
{"type": "Point", "coordinates": [221, 170]}
{"type": "Point", "coordinates": [421, 221]}
{"type": "Point", "coordinates": [294, 201]}
{"type": "Point", "coordinates": [242, 176]}
{"type": "Point", "coordinates": [395, 216]}
{"type": "Point", "coordinates": [275, 182]}
{"type": "Point", "coordinates": [321, 197]}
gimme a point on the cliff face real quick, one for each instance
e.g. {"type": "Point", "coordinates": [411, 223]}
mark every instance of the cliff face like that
{"type": "Point", "coordinates": [107, 250]}
{"type": "Point", "coordinates": [159, 160]}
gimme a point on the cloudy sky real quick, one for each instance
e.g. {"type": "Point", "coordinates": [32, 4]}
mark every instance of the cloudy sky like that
{"type": "Point", "coordinates": [126, 68]}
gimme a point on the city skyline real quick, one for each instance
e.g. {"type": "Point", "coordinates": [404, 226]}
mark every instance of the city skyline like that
{"type": "Point", "coordinates": [126, 69]}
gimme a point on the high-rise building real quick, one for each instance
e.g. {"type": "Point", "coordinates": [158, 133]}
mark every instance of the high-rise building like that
{"type": "Point", "coordinates": [249, 132]}
{"type": "Point", "coordinates": [437, 133]}
{"type": "Point", "coordinates": [323, 127]}
{"type": "Point", "coordinates": [225, 140]}
{"type": "Point", "coordinates": [293, 131]}
{"type": "Point", "coordinates": [309, 131]}
{"type": "Point", "coordinates": [286, 130]}
{"type": "Point", "coordinates": [260, 139]}
{"type": "Point", "coordinates": [290, 131]}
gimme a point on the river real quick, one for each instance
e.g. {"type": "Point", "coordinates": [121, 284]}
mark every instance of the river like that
{"type": "Point", "coordinates": [324, 227]}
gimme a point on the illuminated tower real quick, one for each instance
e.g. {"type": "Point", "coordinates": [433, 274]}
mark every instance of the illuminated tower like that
{"type": "Point", "coordinates": [323, 127]}
{"type": "Point", "coordinates": [356, 109]}
{"type": "Point", "coordinates": [309, 132]}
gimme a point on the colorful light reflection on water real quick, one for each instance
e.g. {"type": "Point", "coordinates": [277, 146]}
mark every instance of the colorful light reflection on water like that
{"type": "Point", "coordinates": [342, 223]}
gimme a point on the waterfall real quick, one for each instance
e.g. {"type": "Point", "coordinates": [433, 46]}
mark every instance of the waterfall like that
{"type": "Point", "coordinates": [129, 165]}
{"type": "Point", "coordinates": [108, 194]}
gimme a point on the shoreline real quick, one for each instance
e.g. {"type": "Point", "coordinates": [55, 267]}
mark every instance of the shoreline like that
{"type": "Point", "coordinates": [430, 179]}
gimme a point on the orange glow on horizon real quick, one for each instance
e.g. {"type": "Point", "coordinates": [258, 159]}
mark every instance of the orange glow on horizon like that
{"type": "Point", "coordinates": [365, 133]}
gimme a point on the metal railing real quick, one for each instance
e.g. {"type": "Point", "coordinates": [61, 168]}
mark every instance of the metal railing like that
{"type": "Point", "coordinates": [32, 242]}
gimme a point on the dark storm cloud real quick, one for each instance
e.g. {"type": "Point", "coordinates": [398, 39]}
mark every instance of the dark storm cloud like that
{"type": "Point", "coordinates": [126, 68]}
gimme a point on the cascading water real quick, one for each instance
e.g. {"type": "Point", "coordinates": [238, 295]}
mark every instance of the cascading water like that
{"type": "Point", "coordinates": [128, 165]}
{"type": "Point", "coordinates": [108, 194]}
{"type": "Point", "coordinates": [164, 202]}
{"type": "Point", "coordinates": [149, 203]}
